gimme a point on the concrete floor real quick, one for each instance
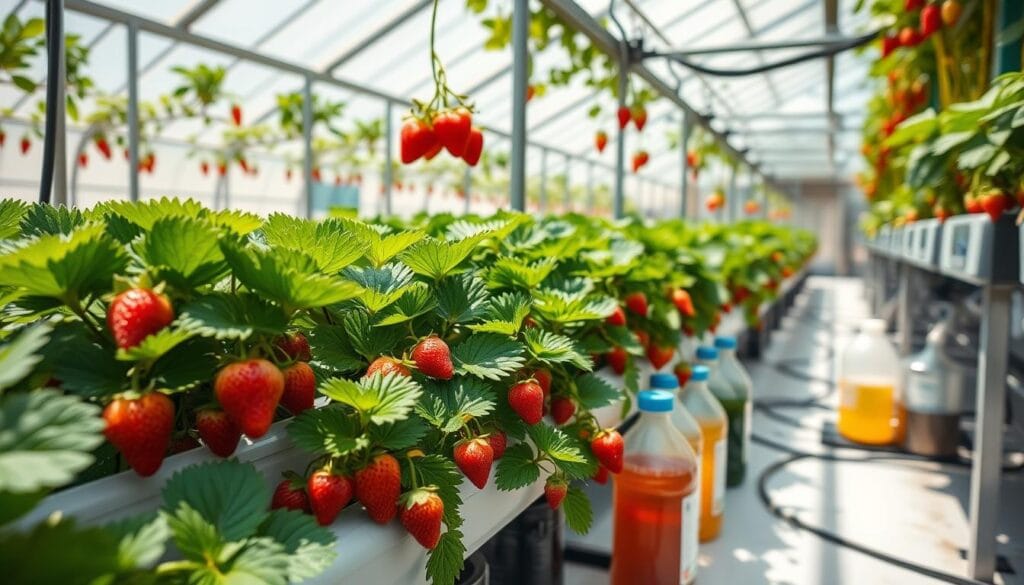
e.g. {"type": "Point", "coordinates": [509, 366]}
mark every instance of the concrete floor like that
{"type": "Point", "coordinates": [915, 511]}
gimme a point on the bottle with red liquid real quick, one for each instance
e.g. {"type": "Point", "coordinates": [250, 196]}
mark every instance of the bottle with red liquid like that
{"type": "Point", "coordinates": [659, 471]}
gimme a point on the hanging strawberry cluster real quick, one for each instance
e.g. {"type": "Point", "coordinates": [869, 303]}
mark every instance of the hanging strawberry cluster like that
{"type": "Point", "coordinates": [446, 121]}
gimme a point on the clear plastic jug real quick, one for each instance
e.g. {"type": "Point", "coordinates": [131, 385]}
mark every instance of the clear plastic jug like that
{"type": "Point", "coordinates": [870, 409]}
{"type": "Point", "coordinates": [714, 429]}
{"type": "Point", "coordinates": [733, 371]}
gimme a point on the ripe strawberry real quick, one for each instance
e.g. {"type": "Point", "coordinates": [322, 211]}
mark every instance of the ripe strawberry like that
{"type": "Point", "coordinates": [416, 139]}
{"type": "Point", "coordinates": [617, 360]}
{"type": "Point", "coordinates": [83, 160]}
{"type": "Point", "coordinates": [329, 493]}
{"type": "Point", "coordinates": [607, 447]}
{"type": "Point", "coordinates": [249, 392]}
{"type": "Point", "coordinates": [683, 371]}
{"type": "Point", "coordinates": [378, 486]}
{"type": "Point", "coordinates": [527, 399]}
{"type": "Point", "coordinates": [639, 115]}
{"type": "Point", "coordinates": [751, 207]}
{"type": "Point", "coordinates": [498, 441]}
{"type": "Point", "coordinates": [543, 378]}
{"type": "Point", "coordinates": [941, 213]}
{"type": "Point", "coordinates": [684, 302]}
{"type": "Point", "coordinates": [104, 147]}
{"type": "Point", "coordinates": [299, 387]}
{"type": "Point", "coordinates": [601, 140]}
{"type": "Point", "coordinates": [692, 159]}
{"type": "Point", "coordinates": [136, 314]}
{"type": "Point", "coordinates": [474, 146]}
{"type": "Point", "coordinates": [421, 514]}
{"type": "Point", "coordinates": [217, 431]}
{"type": "Point", "coordinates": [204, 168]}
{"type": "Point", "coordinates": [995, 203]}
{"type": "Point", "coordinates": [562, 409]}
{"type": "Point", "coordinates": [554, 491]}
{"type": "Point", "coordinates": [25, 144]}
{"type": "Point", "coordinates": [637, 303]}
{"type": "Point", "coordinates": [433, 358]}
{"type": "Point", "coordinates": [931, 20]}
{"type": "Point", "coordinates": [474, 457]}
{"type": "Point", "coordinates": [295, 346]}
{"type": "Point", "coordinates": [601, 475]}
{"type": "Point", "coordinates": [727, 307]}
{"type": "Point", "coordinates": [530, 92]}
{"type": "Point", "coordinates": [659, 356]}
{"type": "Point", "coordinates": [288, 175]}
{"type": "Point", "coordinates": [236, 114]}
{"type": "Point", "coordinates": [434, 151]}
{"type": "Point", "coordinates": [889, 44]}
{"type": "Point", "coordinates": [314, 174]}
{"type": "Point", "coordinates": [290, 494]}
{"type": "Point", "coordinates": [951, 10]}
{"type": "Point", "coordinates": [715, 201]}
{"type": "Point", "coordinates": [453, 128]}
{"type": "Point", "coordinates": [140, 428]}
{"type": "Point", "coordinates": [3, 138]}
{"type": "Point", "coordinates": [909, 37]}
{"type": "Point", "coordinates": [624, 116]}
{"type": "Point", "coordinates": [617, 318]}
{"type": "Point", "coordinates": [385, 365]}
{"type": "Point", "coordinates": [640, 159]}
{"type": "Point", "coordinates": [643, 337]}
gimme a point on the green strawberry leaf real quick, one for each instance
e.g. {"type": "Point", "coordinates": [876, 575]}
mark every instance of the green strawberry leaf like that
{"type": "Point", "coordinates": [415, 301]}
{"type": "Point", "coordinates": [230, 495]}
{"type": "Point", "coordinates": [441, 472]}
{"type": "Point", "coordinates": [383, 286]}
{"type": "Point", "coordinates": [11, 213]}
{"type": "Point", "coordinates": [576, 507]}
{"type": "Point", "coordinates": [399, 435]}
{"type": "Point", "coordinates": [368, 340]}
{"type": "Point", "coordinates": [331, 245]}
{"type": "Point", "coordinates": [236, 220]}
{"type": "Point", "coordinates": [182, 251]}
{"type": "Point", "coordinates": [380, 399]}
{"type": "Point", "coordinates": [155, 346]}
{"type": "Point", "coordinates": [497, 229]}
{"type": "Point", "coordinates": [511, 272]}
{"type": "Point", "coordinates": [461, 299]}
{"type": "Point", "coordinates": [187, 366]}
{"type": "Point", "coordinates": [504, 314]}
{"type": "Point", "coordinates": [310, 548]}
{"type": "Point", "coordinates": [194, 536]}
{"type": "Point", "coordinates": [232, 316]}
{"type": "Point", "coordinates": [436, 259]}
{"type": "Point", "coordinates": [65, 267]}
{"type": "Point", "coordinates": [516, 468]}
{"type": "Point", "coordinates": [332, 350]}
{"type": "Point", "coordinates": [47, 220]}
{"type": "Point", "coordinates": [558, 307]}
{"type": "Point", "coordinates": [593, 392]}
{"type": "Point", "coordinates": [140, 540]}
{"type": "Point", "coordinates": [327, 430]}
{"type": "Point", "coordinates": [261, 560]}
{"type": "Point", "coordinates": [448, 406]}
{"type": "Point", "coordinates": [83, 366]}
{"type": "Point", "coordinates": [552, 348]}
{"type": "Point", "coordinates": [45, 439]}
{"type": "Point", "coordinates": [378, 248]}
{"type": "Point", "coordinates": [556, 444]}
{"type": "Point", "coordinates": [146, 213]}
{"type": "Point", "coordinates": [58, 552]}
{"type": "Point", "coordinates": [18, 357]}
{"type": "Point", "coordinates": [488, 355]}
{"type": "Point", "coordinates": [445, 562]}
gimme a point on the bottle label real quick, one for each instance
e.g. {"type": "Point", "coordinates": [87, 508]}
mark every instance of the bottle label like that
{"type": "Point", "coordinates": [720, 467]}
{"type": "Point", "coordinates": [925, 393]}
{"type": "Point", "coordinates": [688, 542]}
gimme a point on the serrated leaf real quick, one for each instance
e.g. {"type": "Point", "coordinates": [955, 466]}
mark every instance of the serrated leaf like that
{"type": "Point", "coordinates": [593, 392]}
{"type": "Point", "coordinates": [440, 472]}
{"type": "Point", "coordinates": [310, 548]}
{"type": "Point", "coordinates": [140, 540]}
{"type": "Point", "coordinates": [505, 314]}
{"type": "Point", "coordinates": [330, 243]}
{"type": "Point", "coordinates": [555, 443]}
{"type": "Point", "coordinates": [47, 220]}
{"type": "Point", "coordinates": [18, 357]}
{"type": "Point", "coordinates": [232, 316]}
{"type": "Point", "coordinates": [230, 495]}
{"type": "Point", "coordinates": [154, 346]}
{"type": "Point", "coordinates": [182, 251]}
{"type": "Point", "coordinates": [383, 286]}
{"type": "Point", "coordinates": [487, 355]}
{"type": "Point", "coordinates": [450, 405]}
{"type": "Point", "coordinates": [380, 399]}
{"type": "Point", "coordinates": [379, 249]}
{"type": "Point", "coordinates": [193, 535]}
{"type": "Point", "coordinates": [370, 341]}
{"type": "Point", "coordinates": [236, 220]}
{"type": "Point", "coordinates": [399, 435]}
{"type": "Point", "coordinates": [578, 514]}
{"type": "Point", "coordinates": [327, 430]}
{"type": "Point", "coordinates": [11, 213]}
{"type": "Point", "coordinates": [461, 299]}
{"type": "Point", "coordinates": [444, 562]}
{"type": "Point", "coordinates": [331, 349]}
{"type": "Point", "coordinates": [516, 468]}
{"type": "Point", "coordinates": [45, 439]}
{"type": "Point", "coordinates": [496, 229]}
{"type": "Point", "coordinates": [560, 307]}
{"type": "Point", "coordinates": [511, 272]}
{"type": "Point", "coordinates": [83, 366]}
{"type": "Point", "coordinates": [187, 365]}
{"type": "Point", "coordinates": [415, 301]}
{"type": "Point", "coordinates": [147, 212]}
{"type": "Point", "coordinates": [552, 348]}
{"type": "Point", "coordinates": [436, 259]}
{"type": "Point", "coordinates": [261, 560]}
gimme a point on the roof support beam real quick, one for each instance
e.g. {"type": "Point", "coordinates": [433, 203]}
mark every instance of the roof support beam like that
{"type": "Point", "coordinates": [376, 34]}
{"type": "Point", "coordinates": [831, 28]}
{"type": "Point", "coordinates": [828, 41]}
{"type": "Point", "coordinates": [742, 12]}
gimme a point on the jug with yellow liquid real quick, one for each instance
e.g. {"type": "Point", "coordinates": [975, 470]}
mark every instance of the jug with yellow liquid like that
{"type": "Point", "coordinates": [870, 408]}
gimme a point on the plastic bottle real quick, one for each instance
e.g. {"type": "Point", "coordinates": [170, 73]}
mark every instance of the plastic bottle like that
{"type": "Point", "coordinates": [687, 425]}
{"type": "Point", "coordinates": [730, 368]}
{"type": "Point", "coordinates": [735, 407]}
{"type": "Point", "coordinates": [932, 398]}
{"type": "Point", "coordinates": [659, 471]}
{"type": "Point", "coordinates": [870, 410]}
{"type": "Point", "coordinates": [714, 428]}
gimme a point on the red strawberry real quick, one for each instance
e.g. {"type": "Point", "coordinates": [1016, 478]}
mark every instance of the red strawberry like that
{"type": "Point", "coordinates": [608, 447]}
{"type": "Point", "coordinates": [416, 139]}
{"type": "Point", "coordinates": [474, 457]}
{"type": "Point", "coordinates": [453, 128]}
{"type": "Point", "coordinates": [378, 486]}
{"type": "Point", "coordinates": [562, 409]}
{"type": "Point", "coordinates": [314, 174]}
{"type": "Point", "coordinates": [3, 138]}
{"type": "Point", "coordinates": [288, 175]}
{"type": "Point", "coordinates": [498, 441]}
{"type": "Point", "coordinates": [639, 117]}
{"type": "Point", "coordinates": [204, 167]}
{"type": "Point", "coordinates": [951, 10]}
{"type": "Point", "coordinates": [433, 358]}
{"type": "Point", "coordinates": [659, 356]}
{"type": "Point", "coordinates": [624, 115]}
{"type": "Point", "coordinates": [136, 314]}
{"type": "Point", "coordinates": [421, 514]}
{"type": "Point", "coordinates": [684, 302]}
{"type": "Point", "coordinates": [25, 144]}
{"type": "Point", "coordinates": [727, 307]}
{"type": "Point", "coordinates": [295, 346]}
{"type": "Point", "coordinates": [299, 387]}
{"type": "Point", "coordinates": [543, 377]}
{"type": "Point", "coordinates": [290, 494]}
{"type": "Point", "coordinates": [217, 431]}
{"type": "Point", "coordinates": [601, 475]}
{"type": "Point", "coordinates": [104, 147]}
{"type": "Point", "coordinates": [222, 168]}
{"type": "Point", "coordinates": [637, 303]}
{"type": "Point", "coordinates": [617, 318]}
{"type": "Point", "coordinates": [909, 37]}
{"type": "Point", "coordinates": [249, 392]}
{"type": "Point", "coordinates": [912, 5]}
{"type": "Point", "coordinates": [385, 365]}
{"type": "Point", "coordinates": [617, 360]}
{"type": "Point", "coordinates": [931, 20]}
{"type": "Point", "coordinates": [692, 159]}
{"type": "Point", "coordinates": [995, 203]}
{"type": "Point", "coordinates": [643, 337]}
{"type": "Point", "coordinates": [751, 207]}
{"type": "Point", "coordinates": [601, 140]}
{"type": "Point", "coordinates": [83, 160]}
{"type": "Point", "coordinates": [889, 44]}
{"type": "Point", "coordinates": [530, 92]}
{"type": "Point", "coordinates": [140, 428]}
{"type": "Point", "coordinates": [683, 373]}
{"type": "Point", "coordinates": [329, 493]}
{"type": "Point", "coordinates": [554, 491]}
{"type": "Point", "coordinates": [236, 114]}
{"type": "Point", "coordinates": [434, 151]}
{"type": "Point", "coordinates": [474, 146]}
{"type": "Point", "coordinates": [527, 399]}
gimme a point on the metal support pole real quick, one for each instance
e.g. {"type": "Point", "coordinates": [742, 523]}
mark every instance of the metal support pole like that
{"type": "Point", "coordinates": [307, 144]}
{"type": "Point", "coordinates": [591, 195]}
{"type": "Point", "coordinates": [389, 155]}
{"type": "Point", "coordinates": [60, 156]}
{"type": "Point", "coordinates": [520, 56]}
{"type": "Point", "coordinates": [988, 441]}
{"type": "Point", "coordinates": [133, 111]}
{"type": "Point", "coordinates": [567, 198]}
{"type": "Point", "coordinates": [733, 197]}
{"type": "Point", "coordinates": [543, 180]}
{"type": "Point", "coordinates": [618, 205]}
{"type": "Point", "coordinates": [684, 133]}
{"type": "Point", "coordinates": [467, 183]}
{"type": "Point", "coordinates": [1008, 51]}
{"type": "Point", "coordinates": [904, 328]}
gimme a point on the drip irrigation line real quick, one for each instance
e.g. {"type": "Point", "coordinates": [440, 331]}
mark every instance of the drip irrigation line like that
{"type": "Point", "coordinates": [54, 47]}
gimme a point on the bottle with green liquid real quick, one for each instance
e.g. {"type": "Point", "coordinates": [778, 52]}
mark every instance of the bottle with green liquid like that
{"type": "Point", "coordinates": [735, 400]}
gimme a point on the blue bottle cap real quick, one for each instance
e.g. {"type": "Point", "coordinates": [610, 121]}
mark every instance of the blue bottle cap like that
{"type": "Point", "coordinates": [699, 373]}
{"type": "Point", "coordinates": [664, 381]}
{"type": "Point", "coordinates": [656, 400]}
{"type": "Point", "coordinates": [705, 352]}
{"type": "Point", "coordinates": [725, 342]}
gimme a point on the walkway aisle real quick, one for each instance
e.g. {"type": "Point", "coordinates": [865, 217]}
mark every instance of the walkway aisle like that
{"type": "Point", "coordinates": [913, 511]}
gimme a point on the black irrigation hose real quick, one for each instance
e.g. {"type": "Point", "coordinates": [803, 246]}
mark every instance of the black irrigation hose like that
{"type": "Point", "coordinates": [54, 46]}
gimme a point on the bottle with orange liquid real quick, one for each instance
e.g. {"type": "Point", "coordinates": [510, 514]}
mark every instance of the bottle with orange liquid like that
{"type": "Point", "coordinates": [870, 409]}
{"type": "Point", "coordinates": [687, 425]}
{"type": "Point", "coordinates": [659, 471]}
{"type": "Point", "coordinates": [714, 428]}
